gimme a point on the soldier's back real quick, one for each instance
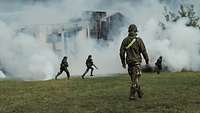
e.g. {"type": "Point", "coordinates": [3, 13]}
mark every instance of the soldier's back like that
{"type": "Point", "coordinates": [134, 51]}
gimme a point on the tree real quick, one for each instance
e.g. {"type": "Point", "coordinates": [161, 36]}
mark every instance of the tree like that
{"type": "Point", "coordinates": [183, 12]}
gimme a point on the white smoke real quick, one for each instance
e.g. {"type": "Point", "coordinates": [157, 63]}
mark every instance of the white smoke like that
{"type": "Point", "coordinates": [2, 75]}
{"type": "Point", "coordinates": [25, 58]}
{"type": "Point", "coordinates": [179, 45]}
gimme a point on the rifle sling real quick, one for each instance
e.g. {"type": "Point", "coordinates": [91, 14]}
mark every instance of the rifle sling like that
{"type": "Point", "coordinates": [131, 43]}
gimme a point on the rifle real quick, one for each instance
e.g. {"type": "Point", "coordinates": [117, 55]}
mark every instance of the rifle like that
{"type": "Point", "coordinates": [95, 66]}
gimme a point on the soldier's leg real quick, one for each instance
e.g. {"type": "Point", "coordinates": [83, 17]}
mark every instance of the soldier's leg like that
{"type": "Point", "coordinates": [91, 73]}
{"type": "Point", "coordinates": [158, 72]}
{"type": "Point", "coordinates": [68, 74]}
{"type": "Point", "coordinates": [133, 83]}
{"type": "Point", "coordinates": [156, 69]}
{"type": "Point", "coordinates": [85, 73]}
{"type": "Point", "coordinates": [139, 89]}
{"type": "Point", "coordinates": [61, 70]}
{"type": "Point", "coordinates": [159, 68]}
{"type": "Point", "coordinates": [138, 73]}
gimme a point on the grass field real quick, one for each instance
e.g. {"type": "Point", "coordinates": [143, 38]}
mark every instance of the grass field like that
{"type": "Point", "coordinates": [165, 93]}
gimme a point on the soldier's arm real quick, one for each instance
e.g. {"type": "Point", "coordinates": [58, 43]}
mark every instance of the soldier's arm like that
{"type": "Point", "coordinates": [122, 52]}
{"type": "Point", "coordinates": [91, 61]}
{"type": "Point", "coordinates": [144, 51]}
{"type": "Point", "coordinates": [67, 64]}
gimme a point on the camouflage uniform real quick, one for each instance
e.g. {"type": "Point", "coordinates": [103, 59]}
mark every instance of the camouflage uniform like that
{"type": "Point", "coordinates": [159, 65]}
{"type": "Point", "coordinates": [63, 67]}
{"type": "Point", "coordinates": [133, 59]}
{"type": "Point", "coordinates": [89, 63]}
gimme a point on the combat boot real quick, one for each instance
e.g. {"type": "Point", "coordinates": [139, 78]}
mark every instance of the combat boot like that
{"type": "Point", "coordinates": [56, 77]}
{"type": "Point", "coordinates": [140, 92]}
{"type": "Point", "coordinates": [132, 93]}
{"type": "Point", "coordinates": [82, 77]}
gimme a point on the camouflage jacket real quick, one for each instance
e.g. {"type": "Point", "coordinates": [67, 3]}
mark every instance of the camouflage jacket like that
{"type": "Point", "coordinates": [134, 51]}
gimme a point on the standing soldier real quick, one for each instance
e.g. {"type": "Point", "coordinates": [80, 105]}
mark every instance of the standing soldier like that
{"type": "Point", "coordinates": [130, 53]}
{"type": "Point", "coordinates": [158, 65]}
{"type": "Point", "coordinates": [89, 64]}
{"type": "Point", "coordinates": [63, 67]}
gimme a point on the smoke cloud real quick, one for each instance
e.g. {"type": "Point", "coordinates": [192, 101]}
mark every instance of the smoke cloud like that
{"type": "Point", "coordinates": [24, 57]}
{"type": "Point", "coordinates": [2, 75]}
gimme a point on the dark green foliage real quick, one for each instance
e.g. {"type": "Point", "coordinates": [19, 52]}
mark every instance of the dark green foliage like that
{"type": "Point", "coordinates": [185, 11]}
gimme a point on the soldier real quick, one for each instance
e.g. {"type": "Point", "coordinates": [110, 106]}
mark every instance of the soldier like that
{"type": "Point", "coordinates": [130, 53]}
{"type": "Point", "coordinates": [89, 64]}
{"type": "Point", "coordinates": [63, 67]}
{"type": "Point", "coordinates": [158, 65]}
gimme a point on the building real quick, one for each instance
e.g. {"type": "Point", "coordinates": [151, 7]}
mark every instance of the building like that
{"type": "Point", "coordinates": [96, 24]}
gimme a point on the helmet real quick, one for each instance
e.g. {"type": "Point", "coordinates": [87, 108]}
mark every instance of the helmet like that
{"type": "Point", "coordinates": [65, 57]}
{"type": "Point", "coordinates": [133, 28]}
{"type": "Point", "coordinates": [89, 56]}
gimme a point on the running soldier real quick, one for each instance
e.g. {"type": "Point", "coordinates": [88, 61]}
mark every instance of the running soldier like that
{"type": "Point", "coordinates": [63, 67]}
{"type": "Point", "coordinates": [158, 65]}
{"type": "Point", "coordinates": [89, 63]}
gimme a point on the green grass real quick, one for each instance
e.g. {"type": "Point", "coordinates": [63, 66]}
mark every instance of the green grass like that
{"type": "Point", "coordinates": [165, 93]}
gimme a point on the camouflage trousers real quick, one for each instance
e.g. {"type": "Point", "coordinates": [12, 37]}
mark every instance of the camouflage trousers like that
{"type": "Point", "coordinates": [134, 71]}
